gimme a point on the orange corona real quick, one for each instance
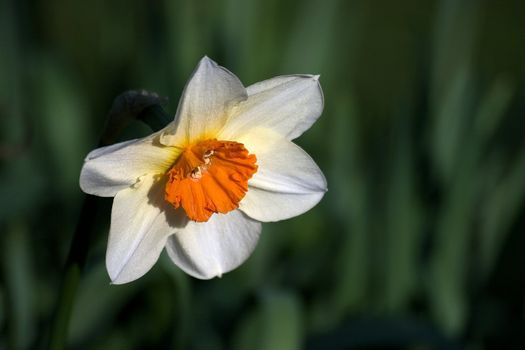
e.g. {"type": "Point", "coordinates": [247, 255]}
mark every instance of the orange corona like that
{"type": "Point", "coordinates": [210, 177]}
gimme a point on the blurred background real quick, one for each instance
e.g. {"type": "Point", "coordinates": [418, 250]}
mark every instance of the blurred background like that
{"type": "Point", "coordinates": [417, 245]}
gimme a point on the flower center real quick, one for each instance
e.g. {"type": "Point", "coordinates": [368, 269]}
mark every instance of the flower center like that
{"type": "Point", "coordinates": [210, 177]}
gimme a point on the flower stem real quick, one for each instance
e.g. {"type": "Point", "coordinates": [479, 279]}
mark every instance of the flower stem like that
{"type": "Point", "coordinates": [75, 263]}
{"type": "Point", "coordinates": [128, 106]}
{"type": "Point", "coordinates": [155, 117]}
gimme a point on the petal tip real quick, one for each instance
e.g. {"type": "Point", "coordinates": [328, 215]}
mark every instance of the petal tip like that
{"type": "Point", "coordinates": [114, 280]}
{"type": "Point", "coordinates": [120, 278]}
{"type": "Point", "coordinates": [113, 273]}
{"type": "Point", "coordinates": [206, 60]}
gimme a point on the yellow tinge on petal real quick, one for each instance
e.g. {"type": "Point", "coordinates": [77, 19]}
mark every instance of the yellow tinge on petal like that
{"type": "Point", "coordinates": [210, 177]}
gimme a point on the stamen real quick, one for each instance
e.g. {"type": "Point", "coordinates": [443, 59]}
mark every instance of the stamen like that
{"type": "Point", "coordinates": [196, 173]}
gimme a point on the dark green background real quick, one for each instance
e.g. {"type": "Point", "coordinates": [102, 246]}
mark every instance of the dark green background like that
{"type": "Point", "coordinates": [417, 245]}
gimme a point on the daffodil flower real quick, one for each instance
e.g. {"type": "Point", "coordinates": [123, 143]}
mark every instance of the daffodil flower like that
{"type": "Point", "coordinates": [202, 185]}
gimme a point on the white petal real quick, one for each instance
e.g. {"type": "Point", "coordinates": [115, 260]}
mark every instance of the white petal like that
{"type": "Point", "coordinates": [206, 103]}
{"type": "Point", "coordinates": [287, 182]}
{"type": "Point", "coordinates": [288, 105]}
{"type": "Point", "coordinates": [110, 169]}
{"type": "Point", "coordinates": [140, 226]}
{"type": "Point", "coordinates": [209, 249]}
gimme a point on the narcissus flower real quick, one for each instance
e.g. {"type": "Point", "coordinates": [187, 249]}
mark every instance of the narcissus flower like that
{"type": "Point", "coordinates": [202, 186]}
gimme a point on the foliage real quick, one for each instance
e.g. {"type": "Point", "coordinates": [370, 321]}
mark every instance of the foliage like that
{"type": "Point", "coordinates": [418, 241]}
